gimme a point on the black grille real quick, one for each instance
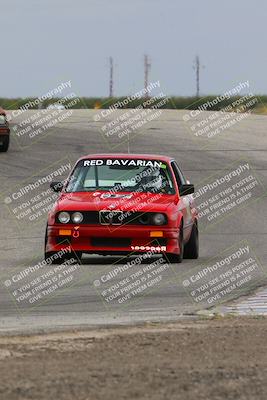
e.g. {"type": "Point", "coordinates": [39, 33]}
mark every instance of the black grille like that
{"type": "Point", "coordinates": [126, 218]}
{"type": "Point", "coordinates": [111, 217]}
{"type": "Point", "coordinates": [90, 217]}
{"type": "Point", "coordinates": [111, 242]}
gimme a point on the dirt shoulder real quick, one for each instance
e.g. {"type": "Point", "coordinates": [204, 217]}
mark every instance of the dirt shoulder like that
{"type": "Point", "coordinates": [204, 359]}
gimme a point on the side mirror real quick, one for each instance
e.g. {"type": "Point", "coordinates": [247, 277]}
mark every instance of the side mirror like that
{"type": "Point", "coordinates": [186, 189]}
{"type": "Point", "coordinates": [56, 186]}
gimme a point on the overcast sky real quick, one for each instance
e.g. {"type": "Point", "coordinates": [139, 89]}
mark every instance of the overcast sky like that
{"type": "Point", "coordinates": [44, 42]}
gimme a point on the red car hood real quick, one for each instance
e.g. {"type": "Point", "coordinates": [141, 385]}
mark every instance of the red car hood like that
{"type": "Point", "coordinates": [125, 201]}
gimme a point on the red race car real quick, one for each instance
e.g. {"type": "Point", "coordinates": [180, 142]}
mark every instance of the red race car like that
{"type": "Point", "coordinates": [123, 204]}
{"type": "Point", "coordinates": [4, 131]}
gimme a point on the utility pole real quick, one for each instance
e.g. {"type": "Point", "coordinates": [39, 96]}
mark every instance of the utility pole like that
{"type": "Point", "coordinates": [196, 67]}
{"type": "Point", "coordinates": [147, 66]}
{"type": "Point", "coordinates": [111, 81]}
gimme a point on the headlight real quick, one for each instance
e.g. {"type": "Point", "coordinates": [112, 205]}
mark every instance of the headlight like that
{"type": "Point", "coordinates": [77, 217]}
{"type": "Point", "coordinates": [64, 217]}
{"type": "Point", "coordinates": [159, 219]}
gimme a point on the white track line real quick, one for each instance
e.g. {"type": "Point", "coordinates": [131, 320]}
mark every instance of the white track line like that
{"type": "Point", "coordinates": [257, 304]}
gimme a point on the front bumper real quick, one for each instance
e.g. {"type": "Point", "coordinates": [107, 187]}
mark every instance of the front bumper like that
{"type": "Point", "coordinates": [112, 239]}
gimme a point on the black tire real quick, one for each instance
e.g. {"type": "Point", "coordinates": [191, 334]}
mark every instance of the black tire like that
{"type": "Point", "coordinates": [191, 249]}
{"type": "Point", "coordinates": [177, 258]}
{"type": "Point", "coordinates": [45, 237]}
{"type": "Point", "coordinates": [4, 147]}
{"type": "Point", "coordinates": [77, 256]}
{"type": "Point", "coordinates": [51, 260]}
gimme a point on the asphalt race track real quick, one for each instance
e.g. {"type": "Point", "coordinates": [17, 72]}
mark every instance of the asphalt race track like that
{"type": "Point", "coordinates": [80, 303]}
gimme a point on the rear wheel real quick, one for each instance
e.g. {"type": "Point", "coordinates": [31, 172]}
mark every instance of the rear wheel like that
{"type": "Point", "coordinates": [191, 249]}
{"type": "Point", "coordinates": [5, 144]}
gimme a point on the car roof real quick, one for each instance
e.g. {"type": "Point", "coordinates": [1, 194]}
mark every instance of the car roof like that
{"type": "Point", "coordinates": [129, 156]}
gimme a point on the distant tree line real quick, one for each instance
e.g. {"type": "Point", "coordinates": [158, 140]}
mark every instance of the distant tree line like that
{"type": "Point", "coordinates": [190, 103]}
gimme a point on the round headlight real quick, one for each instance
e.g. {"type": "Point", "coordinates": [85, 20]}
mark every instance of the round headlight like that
{"type": "Point", "coordinates": [77, 217]}
{"type": "Point", "coordinates": [64, 217]}
{"type": "Point", "coordinates": [159, 219]}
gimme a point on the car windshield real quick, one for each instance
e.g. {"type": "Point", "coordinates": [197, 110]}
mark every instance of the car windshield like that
{"type": "Point", "coordinates": [121, 175]}
{"type": "Point", "coordinates": [2, 119]}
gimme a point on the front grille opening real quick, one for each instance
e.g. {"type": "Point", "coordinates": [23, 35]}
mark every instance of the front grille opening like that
{"type": "Point", "coordinates": [111, 242]}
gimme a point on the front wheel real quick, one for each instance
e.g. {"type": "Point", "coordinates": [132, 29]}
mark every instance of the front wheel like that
{"type": "Point", "coordinates": [75, 257]}
{"type": "Point", "coordinates": [51, 257]}
{"type": "Point", "coordinates": [191, 249]}
{"type": "Point", "coordinates": [5, 145]}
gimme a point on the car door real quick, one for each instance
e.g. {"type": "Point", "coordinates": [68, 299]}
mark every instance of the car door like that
{"type": "Point", "coordinates": [186, 203]}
